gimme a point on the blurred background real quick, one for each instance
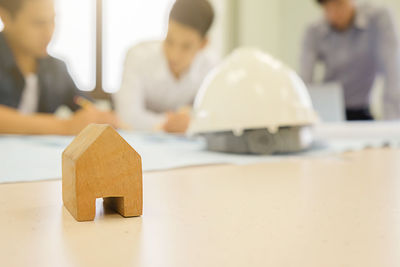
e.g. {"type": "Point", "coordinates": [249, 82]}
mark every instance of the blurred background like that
{"type": "Point", "coordinates": [276, 26]}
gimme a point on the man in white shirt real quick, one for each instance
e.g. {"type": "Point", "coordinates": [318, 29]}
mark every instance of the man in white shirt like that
{"type": "Point", "coordinates": [161, 79]}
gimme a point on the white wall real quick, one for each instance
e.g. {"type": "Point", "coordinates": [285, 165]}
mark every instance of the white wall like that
{"type": "Point", "coordinates": [259, 24]}
{"type": "Point", "coordinates": [219, 32]}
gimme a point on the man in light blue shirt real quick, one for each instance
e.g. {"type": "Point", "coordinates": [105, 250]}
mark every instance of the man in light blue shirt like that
{"type": "Point", "coordinates": [355, 43]}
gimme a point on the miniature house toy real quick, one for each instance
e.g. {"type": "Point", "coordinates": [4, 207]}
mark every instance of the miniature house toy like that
{"type": "Point", "coordinates": [99, 163]}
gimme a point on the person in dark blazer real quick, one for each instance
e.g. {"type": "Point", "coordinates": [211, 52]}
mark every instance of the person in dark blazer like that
{"type": "Point", "coordinates": [33, 85]}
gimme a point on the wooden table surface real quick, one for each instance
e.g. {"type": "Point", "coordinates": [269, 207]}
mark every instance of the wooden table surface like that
{"type": "Point", "coordinates": [323, 212]}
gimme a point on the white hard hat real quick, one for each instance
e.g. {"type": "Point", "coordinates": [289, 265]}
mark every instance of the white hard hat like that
{"type": "Point", "coordinates": [251, 90]}
{"type": "Point", "coordinates": [252, 103]}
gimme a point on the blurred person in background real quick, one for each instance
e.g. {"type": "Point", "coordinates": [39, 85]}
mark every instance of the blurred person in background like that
{"type": "Point", "coordinates": [33, 85]}
{"type": "Point", "coordinates": [355, 43]}
{"type": "Point", "coordinates": [161, 78]}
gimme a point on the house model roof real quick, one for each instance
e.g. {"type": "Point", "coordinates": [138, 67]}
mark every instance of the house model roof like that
{"type": "Point", "coordinates": [88, 137]}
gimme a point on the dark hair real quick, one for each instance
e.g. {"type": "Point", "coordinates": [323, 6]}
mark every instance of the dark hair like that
{"type": "Point", "coordinates": [13, 6]}
{"type": "Point", "coordinates": [321, 2]}
{"type": "Point", "coordinates": [197, 14]}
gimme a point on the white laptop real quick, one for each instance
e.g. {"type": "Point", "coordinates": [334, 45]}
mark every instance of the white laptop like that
{"type": "Point", "coordinates": [328, 101]}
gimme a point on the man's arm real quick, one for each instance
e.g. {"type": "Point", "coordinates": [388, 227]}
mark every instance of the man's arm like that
{"type": "Point", "coordinates": [389, 58]}
{"type": "Point", "coordinates": [309, 56]}
{"type": "Point", "coordinates": [13, 122]}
